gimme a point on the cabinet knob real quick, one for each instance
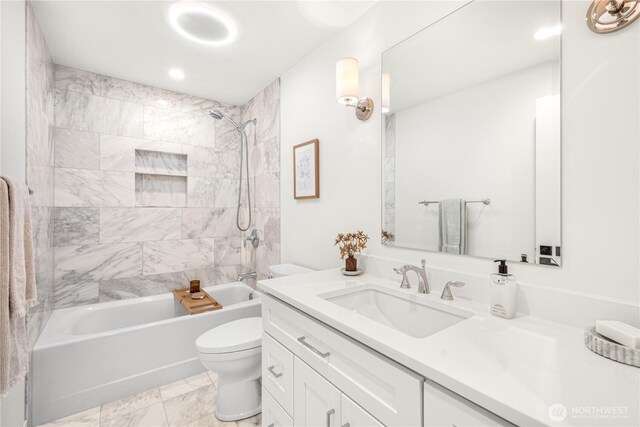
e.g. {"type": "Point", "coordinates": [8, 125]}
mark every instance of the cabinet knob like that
{"type": "Point", "coordinates": [346, 425]}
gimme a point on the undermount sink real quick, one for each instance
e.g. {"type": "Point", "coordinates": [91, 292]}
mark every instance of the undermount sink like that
{"type": "Point", "coordinates": [395, 309]}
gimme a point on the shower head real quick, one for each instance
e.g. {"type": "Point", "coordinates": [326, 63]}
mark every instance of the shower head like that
{"type": "Point", "coordinates": [216, 114]}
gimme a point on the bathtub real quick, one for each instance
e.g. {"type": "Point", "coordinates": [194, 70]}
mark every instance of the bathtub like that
{"type": "Point", "coordinates": [93, 354]}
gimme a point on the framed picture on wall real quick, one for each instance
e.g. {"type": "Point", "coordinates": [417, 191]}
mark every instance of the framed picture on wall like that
{"type": "Point", "coordinates": [306, 167]}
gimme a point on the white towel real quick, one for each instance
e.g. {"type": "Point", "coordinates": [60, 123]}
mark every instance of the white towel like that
{"type": "Point", "coordinates": [17, 281]}
{"type": "Point", "coordinates": [453, 226]}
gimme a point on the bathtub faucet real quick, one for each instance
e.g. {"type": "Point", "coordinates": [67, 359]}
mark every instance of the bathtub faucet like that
{"type": "Point", "coordinates": [243, 277]}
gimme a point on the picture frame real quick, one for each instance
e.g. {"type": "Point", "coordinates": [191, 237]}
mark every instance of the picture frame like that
{"type": "Point", "coordinates": [306, 170]}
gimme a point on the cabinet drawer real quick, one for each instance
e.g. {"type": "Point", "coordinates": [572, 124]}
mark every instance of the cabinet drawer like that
{"type": "Point", "coordinates": [272, 413]}
{"type": "Point", "coordinates": [277, 372]}
{"type": "Point", "coordinates": [390, 392]}
{"type": "Point", "coordinates": [443, 408]}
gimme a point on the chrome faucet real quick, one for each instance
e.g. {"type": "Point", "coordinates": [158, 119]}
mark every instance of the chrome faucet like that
{"type": "Point", "coordinates": [423, 281]}
{"type": "Point", "coordinates": [446, 292]}
{"type": "Point", "coordinates": [243, 277]}
{"type": "Point", "coordinates": [253, 238]}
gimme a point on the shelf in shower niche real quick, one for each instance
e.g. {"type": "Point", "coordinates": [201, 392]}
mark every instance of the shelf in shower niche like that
{"type": "Point", "coordinates": [160, 163]}
{"type": "Point", "coordinates": [161, 190]}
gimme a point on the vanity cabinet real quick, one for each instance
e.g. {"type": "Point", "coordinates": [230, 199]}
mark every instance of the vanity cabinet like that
{"type": "Point", "coordinates": [273, 415]}
{"type": "Point", "coordinates": [443, 408]}
{"type": "Point", "coordinates": [316, 401]}
{"type": "Point", "coordinates": [333, 372]}
{"type": "Point", "coordinates": [277, 372]}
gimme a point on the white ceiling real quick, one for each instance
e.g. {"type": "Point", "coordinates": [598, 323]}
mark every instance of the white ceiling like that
{"type": "Point", "coordinates": [132, 40]}
{"type": "Point", "coordinates": [482, 41]}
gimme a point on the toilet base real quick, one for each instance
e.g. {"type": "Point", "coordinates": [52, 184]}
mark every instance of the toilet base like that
{"type": "Point", "coordinates": [237, 401]}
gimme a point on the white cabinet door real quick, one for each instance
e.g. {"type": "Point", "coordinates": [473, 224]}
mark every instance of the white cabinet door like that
{"type": "Point", "coordinates": [352, 415]}
{"type": "Point", "coordinates": [316, 403]}
{"type": "Point", "coordinates": [443, 408]}
{"type": "Point", "coordinates": [277, 372]}
{"type": "Point", "coordinates": [273, 415]}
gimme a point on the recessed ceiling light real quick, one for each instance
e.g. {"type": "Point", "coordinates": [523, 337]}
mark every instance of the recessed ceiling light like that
{"type": "Point", "coordinates": [547, 32]}
{"type": "Point", "coordinates": [176, 74]}
{"type": "Point", "coordinates": [202, 23]}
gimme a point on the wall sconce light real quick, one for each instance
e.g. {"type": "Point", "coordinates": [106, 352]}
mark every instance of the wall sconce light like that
{"type": "Point", "coordinates": [348, 88]}
{"type": "Point", "coordinates": [386, 93]}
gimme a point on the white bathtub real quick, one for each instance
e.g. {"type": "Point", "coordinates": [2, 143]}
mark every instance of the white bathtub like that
{"type": "Point", "coordinates": [93, 354]}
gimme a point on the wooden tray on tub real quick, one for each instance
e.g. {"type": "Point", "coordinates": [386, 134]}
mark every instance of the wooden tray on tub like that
{"type": "Point", "coordinates": [196, 306]}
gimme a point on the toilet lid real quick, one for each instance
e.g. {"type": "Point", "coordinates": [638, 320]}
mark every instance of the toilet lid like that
{"type": "Point", "coordinates": [238, 335]}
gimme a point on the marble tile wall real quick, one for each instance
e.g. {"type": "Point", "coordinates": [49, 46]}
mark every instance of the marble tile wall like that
{"type": "Point", "coordinates": [264, 167]}
{"type": "Point", "coordinates": [40, 167]}
{"type": "Point", "coordinates": [146, 187]}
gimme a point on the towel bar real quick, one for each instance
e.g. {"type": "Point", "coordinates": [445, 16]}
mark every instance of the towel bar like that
{"type": "Point", "coordinates": [486, 201]}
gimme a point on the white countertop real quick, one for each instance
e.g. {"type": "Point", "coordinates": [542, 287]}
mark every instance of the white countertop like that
{"type": "Point", "coordinates": [514, 368]}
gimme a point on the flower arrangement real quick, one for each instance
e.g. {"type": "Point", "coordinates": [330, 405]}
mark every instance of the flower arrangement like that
{"type": "Point", "coordinates": [351, 244]}
{"type": "Point", "coordinates": [387, 237]}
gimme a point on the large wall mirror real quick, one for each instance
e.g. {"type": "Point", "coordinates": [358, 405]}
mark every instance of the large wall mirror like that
{"type": "Point", "coordinates": [471, 134]}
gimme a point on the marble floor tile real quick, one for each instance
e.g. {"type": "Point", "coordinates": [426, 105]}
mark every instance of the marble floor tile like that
{"type": "Point", "coordinates": [130, 404]}
{"type": "Point", "coordinates": [212, 421]}
{"type": "Point", "coordinates": [88, 418]}
{"type": "Point", "coordinates": [184, 386]}
{"type": "Point", "coordinates": [250, 422]}
{"type": "Point", "coordinates": [192, 406]}
{"type": "Point", "coordinates": [213, 376]}
{"type": "Point", "coordinates": [149, 416]}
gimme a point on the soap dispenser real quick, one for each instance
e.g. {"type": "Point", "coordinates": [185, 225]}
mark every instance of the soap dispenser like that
{"type": "Point", "coordinates": [502, 299]}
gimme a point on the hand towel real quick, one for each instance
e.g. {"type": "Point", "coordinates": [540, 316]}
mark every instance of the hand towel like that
{"type": "Point", "coordinates": [453, 226]}
{"type": "Point", "coordinates": [17, 281]}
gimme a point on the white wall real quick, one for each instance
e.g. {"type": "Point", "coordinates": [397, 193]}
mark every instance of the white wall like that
{"type": "Point", "coordinates": [463, 145]}
{"type": "Point", "coordinates": [12, 143]}
{"type": "Point", "coordinates": [12, 99]}
{"type": "Point", "coordinates": [600, 80]}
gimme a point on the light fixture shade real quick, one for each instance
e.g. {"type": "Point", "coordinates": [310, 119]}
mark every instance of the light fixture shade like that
{"type": "Point", "coordinates": [347, 81]}
{"type": "Point", "coordinates": [386, 92]}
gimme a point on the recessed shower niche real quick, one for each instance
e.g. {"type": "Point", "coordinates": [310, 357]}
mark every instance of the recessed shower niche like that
{"type": "Point", "coordinates": [161, 179]}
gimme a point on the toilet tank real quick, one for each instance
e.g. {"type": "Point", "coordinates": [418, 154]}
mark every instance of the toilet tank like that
{"type": "Point", "coordinates": [282, 270]}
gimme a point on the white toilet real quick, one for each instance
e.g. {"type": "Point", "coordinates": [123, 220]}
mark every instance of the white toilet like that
{"type": "Point", "coordinates": [234, 351]}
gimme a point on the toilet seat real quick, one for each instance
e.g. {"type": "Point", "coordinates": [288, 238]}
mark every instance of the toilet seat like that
{"type": "Point", "coordinates": [236, 336]}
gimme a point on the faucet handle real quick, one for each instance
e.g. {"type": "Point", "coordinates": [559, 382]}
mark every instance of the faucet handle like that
{"type": "Point", "coordinates": [424, 264]}
{"type": "Point", "coordinates": [446, 292]}
{"type": "Point", "coordinates": [405, 281]}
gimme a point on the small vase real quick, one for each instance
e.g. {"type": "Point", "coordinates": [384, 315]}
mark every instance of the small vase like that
{"type": "Point", "coordinates": [351, 264]}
